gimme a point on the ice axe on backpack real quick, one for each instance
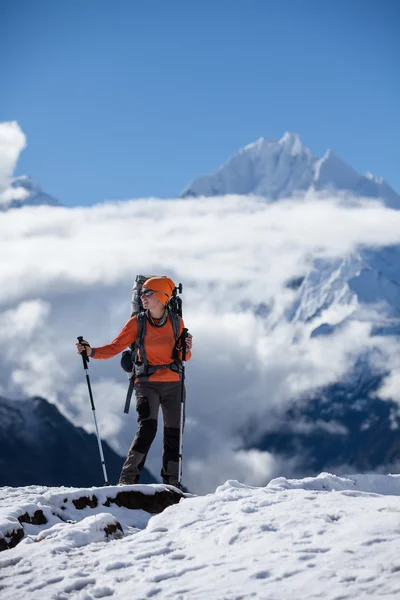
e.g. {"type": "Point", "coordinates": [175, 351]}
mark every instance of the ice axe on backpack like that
{"type": "Point", "coordinates": [175, 302]}
{"type": "Point", "coordinates": [85, 360]}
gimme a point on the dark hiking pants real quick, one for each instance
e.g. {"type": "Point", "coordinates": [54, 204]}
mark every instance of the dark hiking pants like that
{"type": "Point", "coordinates": [149, 397]}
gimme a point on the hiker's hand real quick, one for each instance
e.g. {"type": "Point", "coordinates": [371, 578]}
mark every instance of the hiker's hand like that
{"type": "Point", "coordinates": [82, 348]}
{"type": "Point", "coordinates": [189, 341]}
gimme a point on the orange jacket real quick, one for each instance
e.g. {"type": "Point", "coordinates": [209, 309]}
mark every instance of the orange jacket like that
{"type": "Point", "coordinates": [158, 344]}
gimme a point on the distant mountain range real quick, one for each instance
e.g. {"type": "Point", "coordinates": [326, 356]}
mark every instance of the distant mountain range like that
{"type": "Point", "coordinates": [39, 446]}
{"type": "Point", "coordinates": [271, 168]}
{"type": "Point", "coordinates": [285, 167]}
{"type": "Point", "coordinates": [341, 426]}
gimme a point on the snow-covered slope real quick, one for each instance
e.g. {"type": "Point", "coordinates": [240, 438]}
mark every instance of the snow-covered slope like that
{"type": "Point", "coordinates": [281, 168]}
{"type": "Point", "coordinates": [324, 537]}
{"type": "Point", "coordinates": [27, 193]}
{"type": "Point", "coordinates": [336, 289]}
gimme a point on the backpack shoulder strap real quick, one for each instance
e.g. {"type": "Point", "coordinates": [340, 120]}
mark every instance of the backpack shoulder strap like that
{"type": "Point", "coordinates": [139, 342]}
{"type": "Point", "coordinates": [175, 325]}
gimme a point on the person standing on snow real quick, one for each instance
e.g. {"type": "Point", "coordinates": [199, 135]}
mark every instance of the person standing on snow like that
{"type": "Point", "coordinates": [159, 384]}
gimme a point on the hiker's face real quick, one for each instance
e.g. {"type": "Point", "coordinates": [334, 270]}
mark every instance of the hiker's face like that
{"type": "Point", "coordinates": [149, 302]}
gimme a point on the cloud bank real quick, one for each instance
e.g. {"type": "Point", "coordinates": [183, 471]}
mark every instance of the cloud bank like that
{"type": "Point", "coordinates": [69, 272]}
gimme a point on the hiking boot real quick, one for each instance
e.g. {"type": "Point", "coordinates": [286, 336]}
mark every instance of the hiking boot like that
{"type": "Point", "coordinates": [177, 485]}
{"type": "Point", "coordinates": [124, 481]}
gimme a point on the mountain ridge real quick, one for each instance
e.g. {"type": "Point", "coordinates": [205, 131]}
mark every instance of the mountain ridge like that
{"type": "Point", "coordinates": [282, 168]}
{"type": "Point", "coordinates": [39, 446]}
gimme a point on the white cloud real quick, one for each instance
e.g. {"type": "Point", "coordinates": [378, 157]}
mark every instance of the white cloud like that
{"type": "Point", "coordinates": [391, 387]}
{"type": "Point", "coordinates": [12, 142]}
{"type": "Point", "coordinates": [250, 467]}
{"type": "Point", "coordinates": [389, 363]}
{"type": "Point", "coordinates": [22, 321]}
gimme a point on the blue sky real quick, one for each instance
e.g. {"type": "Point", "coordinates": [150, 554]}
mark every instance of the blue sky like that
{"type": "Point", "coordinates": [135, 98]}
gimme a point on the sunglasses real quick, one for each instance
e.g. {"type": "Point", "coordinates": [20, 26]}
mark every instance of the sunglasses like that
{"type": "Point", "coordinates": [150, 292]}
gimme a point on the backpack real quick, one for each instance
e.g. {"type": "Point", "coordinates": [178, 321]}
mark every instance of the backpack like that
{"type": "Point", "coordinates": [129, 359]}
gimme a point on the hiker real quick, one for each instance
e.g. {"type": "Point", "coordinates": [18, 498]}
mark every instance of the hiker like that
{"type": "Point", "coordinates": [156, 384]}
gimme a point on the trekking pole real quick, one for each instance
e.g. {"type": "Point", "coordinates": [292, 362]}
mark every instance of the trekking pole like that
{"type": "Point", "coordinates": [85, 360]}
{"type": "Point", "coordinates": [183, 338]}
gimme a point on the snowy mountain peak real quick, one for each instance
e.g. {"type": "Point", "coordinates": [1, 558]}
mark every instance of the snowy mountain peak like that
{"type": "Point", "coordinates": [289, 142]}
{"type": "Point", "coordinates": [27, 182]}
{"type": "Point", "coordinates": [285, 167]}
{"type": "Point", "coordinates": [271, 168]}
{"type": "Point", "coordinates": [25, 191]}
{"type": "Point", "coordinates": [292, 143]}
{"type": "Point", "coordinates": [254, 146]}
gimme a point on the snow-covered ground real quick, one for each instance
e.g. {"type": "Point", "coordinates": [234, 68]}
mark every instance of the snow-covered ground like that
{"type": "Point", "coordinates": [323, 537]}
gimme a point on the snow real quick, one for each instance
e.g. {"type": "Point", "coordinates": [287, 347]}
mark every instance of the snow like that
{"type": "Point", "coordinates": [336, 289]}
{"type": "Point", "coordinates": [331, 171]}
{"type": "Point", "coordinates": [373, 177]}
{"type": "Point", "coordinates": [324, 537]}
{"type": "Point", "coordinates": [292, 142]}
{"type": "Point", "coordinates": [254, 145]}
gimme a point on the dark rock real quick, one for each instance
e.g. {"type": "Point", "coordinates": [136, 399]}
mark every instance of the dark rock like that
{"type": "Point", "coordinates": [38, 518]}
{"type": "Point", "coordinates": [84, 501]}
{"type": "Point", "coordinates": [294, 283]}
{"type": "Point", "coordinates": [113, 530]}
{"type": "Point", "coordinates": [154, 503]}
{"type": "Point", "coordinates": [14, 536]}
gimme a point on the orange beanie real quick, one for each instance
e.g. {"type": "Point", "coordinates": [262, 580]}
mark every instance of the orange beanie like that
{"type": "Point", "coordinates": [161, 286]}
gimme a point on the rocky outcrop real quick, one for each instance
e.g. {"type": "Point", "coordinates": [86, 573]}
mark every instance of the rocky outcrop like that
{"type": "Point", "coordinates": [153, 504]}
{"type": "Point", "coordinates": [9, 539]}
{"type": "Point", "coordinates": [37, 518]}
{"type": "Point", "coordinates": [60, 508]}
